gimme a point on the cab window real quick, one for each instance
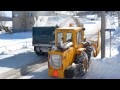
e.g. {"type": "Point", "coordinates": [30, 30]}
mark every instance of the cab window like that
{"type": "Point", "coordinates": [60, 36]}
{"type": "Point", "coordinates": [68, 37]}
{"type": "Point", "coordinates": [79, 37]}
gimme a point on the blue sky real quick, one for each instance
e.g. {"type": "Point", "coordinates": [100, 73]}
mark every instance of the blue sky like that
{"type": "Point", "coordinates": [8, 13]}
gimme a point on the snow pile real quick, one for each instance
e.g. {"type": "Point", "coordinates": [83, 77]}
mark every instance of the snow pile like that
{"type": "Point", "coordinates": [15, 41]}
{"type": "Point", "coordinates": [107, 68]}
{"type": "Point", "coordinates": [91, 17]}
{"type": "Point", "coordinates": [1, 32]}
{"type": "Point", "coordinates": [8, 24]}
{"type": "Point", "coordinates": [48, 20]}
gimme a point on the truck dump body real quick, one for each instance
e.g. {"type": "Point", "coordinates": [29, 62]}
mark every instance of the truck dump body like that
{"type": "Point", "coordinates": [43, 35]}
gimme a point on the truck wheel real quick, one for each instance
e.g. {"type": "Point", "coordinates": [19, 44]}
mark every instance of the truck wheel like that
{"type": "Point", "coordinates": [38, 51]}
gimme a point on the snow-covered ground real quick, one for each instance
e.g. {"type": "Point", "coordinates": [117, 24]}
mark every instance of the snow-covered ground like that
{"type": "Point", "coordinates": [15, 41]}
{"type": "Point", "coordinates": [40, 73]}
{"type": "Point", "coordinates": [109, 67]}
{"type": "Point", "coordinates": [16, 52]}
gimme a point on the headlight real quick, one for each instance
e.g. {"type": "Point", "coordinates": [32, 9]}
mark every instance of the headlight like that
{"type": "Point", "coordinates": [55, 61]}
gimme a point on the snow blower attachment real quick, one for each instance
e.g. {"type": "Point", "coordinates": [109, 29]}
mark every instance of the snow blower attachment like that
{"type": "Point", "coordinates": [71, 54]}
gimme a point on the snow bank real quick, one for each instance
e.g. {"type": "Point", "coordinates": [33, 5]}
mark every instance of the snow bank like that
{"type": "Point", "coordinates": [109, 67]}
{"type": "Point", "coordinates": [15, 41]}
{"type": "Point", "coordinates": [48, 20]}
{"type": "Point", "coordinates": [91, 17]}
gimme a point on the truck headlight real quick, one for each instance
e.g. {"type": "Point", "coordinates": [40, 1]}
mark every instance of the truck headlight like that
{"type": "Point", "coordinates": [55, 61]}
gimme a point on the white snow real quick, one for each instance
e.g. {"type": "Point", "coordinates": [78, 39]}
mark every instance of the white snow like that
{"type": "Point", "coordinates": [8, 24]}
{"type": "Point", "coordinates": [94, 17]}
{"type": "Point", "coordinates": [48, 20]}
{"type": "Point", "coordinates": [91, 29]}
{"type": "Point", "coordinates": [16, 51]}
{"type": "Point", "coordinates": [14, 42]}
{"type": "Point", "coordinates": [109, 67]}
{"type": "Point", "coordinates": [40, 73]}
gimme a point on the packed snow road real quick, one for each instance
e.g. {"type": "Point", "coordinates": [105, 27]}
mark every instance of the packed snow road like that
{"type": "Point", "coordinates": [19, 64]}
{"type": "Point", "coordinates": [39, 73]}
{"type": "Point", "coordinates": [17, 56]}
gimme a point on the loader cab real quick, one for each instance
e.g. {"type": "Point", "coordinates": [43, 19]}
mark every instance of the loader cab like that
{"type": "Point", "coordinates": [69, 34]}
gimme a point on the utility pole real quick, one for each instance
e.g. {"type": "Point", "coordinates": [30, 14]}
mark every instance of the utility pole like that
{"type": "Point", "coordinates": [118, 18]}
{"type": "Point", "coordinates": [103, 24]}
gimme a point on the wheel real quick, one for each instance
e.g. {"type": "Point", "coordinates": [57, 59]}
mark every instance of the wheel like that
{"type": "Point", "coordinates": [83, 64]}
{"type": "Point", "coordinates": [71, 71]}
{"type": "Point", "coordinates": [83, 67]}
{"type": "Point", "coordinates": [80, 58]}
{"type": "Point", "coordinates": [90, 52]}
{"type": "Point", "coordinates": [38, 51]}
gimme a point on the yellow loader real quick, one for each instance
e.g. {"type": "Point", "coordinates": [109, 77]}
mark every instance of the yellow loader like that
{"type": "Point", "coordinates": [72, 52]}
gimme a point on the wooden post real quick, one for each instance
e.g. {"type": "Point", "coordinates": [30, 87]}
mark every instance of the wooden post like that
{"type": "Point", "coordinates": [103, 24]}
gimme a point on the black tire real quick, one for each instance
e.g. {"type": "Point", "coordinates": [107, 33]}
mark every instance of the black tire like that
{"type": "Point", "coordinates": [70, 72]}
{"type": "Point", "coordinates": [82, 61]}
{"type": "Point", "coordinates": [89, 50]}
{"type": "Point", "coordinates": [38, 53]}
{"type": "Point", "coordinates": [80, 58]}
{"type": "Point", "coordinates": [80, 70]}
{"type": "Point", "coordinates": [85, 66]}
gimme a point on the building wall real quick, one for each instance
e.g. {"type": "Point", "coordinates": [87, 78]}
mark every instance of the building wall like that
{"type": "Point", "coordinates": [25, 20]}
{"type": "Point", "coordinates": [18, 20]}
